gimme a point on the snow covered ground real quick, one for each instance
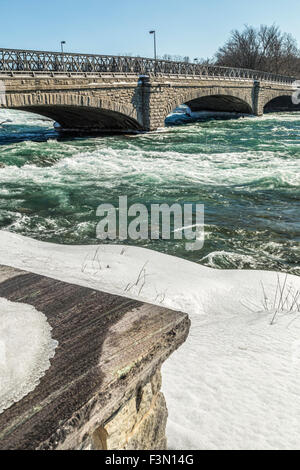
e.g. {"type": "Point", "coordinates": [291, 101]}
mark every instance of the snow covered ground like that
{"type": "Point", "coordinates": [235, 383]}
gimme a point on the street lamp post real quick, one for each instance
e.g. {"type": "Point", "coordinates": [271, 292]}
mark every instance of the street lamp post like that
{"type": "Point", "coordinates": [62, 43]}
{"type": "Point", "coordinates": [154, 37]}
{"type": "Point", "coordinates": [155, 52]}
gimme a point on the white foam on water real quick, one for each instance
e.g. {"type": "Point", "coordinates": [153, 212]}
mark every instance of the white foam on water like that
{"type": "Point", "coordinates": [24, 118]}
{"type": "Point", "coordinates": [207, 163]}
{"type": "Point", "coordinates": [106, 165]}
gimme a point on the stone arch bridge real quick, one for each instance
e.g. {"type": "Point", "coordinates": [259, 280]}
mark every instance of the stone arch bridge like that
{"type": "Point", "coordinates": [93, 93]}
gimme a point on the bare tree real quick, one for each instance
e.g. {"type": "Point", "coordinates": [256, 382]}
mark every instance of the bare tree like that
{"type": "Point", "coordinates": [265, 48]}
{"type": "Point", "coordinates": [175, 58]}
{"type": "Point", "coordinates": [207, 61]}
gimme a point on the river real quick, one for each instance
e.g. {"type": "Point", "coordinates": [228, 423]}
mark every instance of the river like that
{"type": "Point", "coordinates": [245, 171]}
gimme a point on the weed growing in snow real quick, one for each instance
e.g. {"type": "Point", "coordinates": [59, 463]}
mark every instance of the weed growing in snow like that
{"type": "Point", "coordinates": [286, 299]}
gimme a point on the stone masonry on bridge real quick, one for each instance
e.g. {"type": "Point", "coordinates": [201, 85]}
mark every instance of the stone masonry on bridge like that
{"type": "Point", "coordinates": [132, 103]}
{"type": "Point", "coordinates": [128, 101]}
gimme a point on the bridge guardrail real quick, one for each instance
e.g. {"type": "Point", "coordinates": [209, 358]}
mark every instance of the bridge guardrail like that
{"type": "Point", "coordinates": [16, 61]}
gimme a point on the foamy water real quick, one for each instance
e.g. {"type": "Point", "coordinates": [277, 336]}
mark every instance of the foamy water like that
{"type": "Point", "coordinates": [245, 171]}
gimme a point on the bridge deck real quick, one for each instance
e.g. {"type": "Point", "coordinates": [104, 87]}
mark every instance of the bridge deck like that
{"type": "Point", "coordinates": [14, 60]}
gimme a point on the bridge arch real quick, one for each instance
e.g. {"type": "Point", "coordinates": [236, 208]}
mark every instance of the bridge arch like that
{"type": "Point", "coordinates": [78, 112]}
{"type": "Point", "coordinates": [214, 99]}
{"type": "Point", "coordinates": [282, 102]}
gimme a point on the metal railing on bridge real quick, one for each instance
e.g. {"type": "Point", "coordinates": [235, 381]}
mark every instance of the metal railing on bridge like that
{"type": "Point", "coordinates": [17, 61]}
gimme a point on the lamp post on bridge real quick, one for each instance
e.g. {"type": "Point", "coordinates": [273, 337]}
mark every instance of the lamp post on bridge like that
{"type": "Point", "coordinates": [155, 51]}
{"type": "Point", "coordinates": [154, 38]}
{"type": "Point", "coordinates": [62, 43]}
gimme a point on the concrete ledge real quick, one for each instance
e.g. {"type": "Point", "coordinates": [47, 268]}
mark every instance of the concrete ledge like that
{"type": "Point", "coordinates": [103, 387]}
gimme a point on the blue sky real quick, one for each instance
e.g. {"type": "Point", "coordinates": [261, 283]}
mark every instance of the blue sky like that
{"type": "Point", "coordinates": [195, 28]}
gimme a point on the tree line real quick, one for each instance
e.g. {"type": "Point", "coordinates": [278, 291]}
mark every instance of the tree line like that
{"type": "Point", "coordinates": [265, 48]}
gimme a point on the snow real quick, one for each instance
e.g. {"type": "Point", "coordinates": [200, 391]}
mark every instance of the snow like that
{"type": "Point", "coordinates": [235, 383]}
{"type": "Point", "coordinates": [26, 348]}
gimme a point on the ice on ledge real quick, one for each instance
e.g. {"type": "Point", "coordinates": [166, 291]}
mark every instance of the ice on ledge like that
{"type": "Point", "coordinates": [26, 348]}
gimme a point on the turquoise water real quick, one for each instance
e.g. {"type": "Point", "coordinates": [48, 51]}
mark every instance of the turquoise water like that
{"type": "Point", "coordinates": [245, 171]}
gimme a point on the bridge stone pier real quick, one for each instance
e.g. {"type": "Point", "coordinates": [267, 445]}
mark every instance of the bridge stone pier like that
{"type": "Point", "coordinates": [137, 99]}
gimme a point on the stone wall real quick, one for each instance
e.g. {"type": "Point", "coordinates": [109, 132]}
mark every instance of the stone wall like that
{"type": "Point", "coordinates": [140, 423]}
{"type": "Point", "coordinates": [130, 102]}
{"type": "Point", "coordinates": [165, 95]}
{"type": "Point", "coordinates": [269, 92]}
{"type": "Point", "coordinates": [104, 103]}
